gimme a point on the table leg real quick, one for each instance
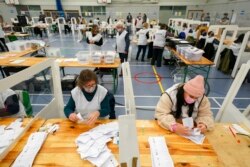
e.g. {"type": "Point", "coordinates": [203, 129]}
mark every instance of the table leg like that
{"type": "Point", "coordinates": [2, 71]}
{"type": "Point", "coordinates": [185, 73]}
{"type": "Point", "coordinates": [115, 79]}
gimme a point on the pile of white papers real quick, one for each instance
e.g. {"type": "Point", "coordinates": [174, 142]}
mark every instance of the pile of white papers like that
{"type": "Point", "coordinates": [196, 135]}
{"type": "Point", "coordinates": [30, 150]}
{"type": "Point", "coordinates": [10, 133]}
{"type": "Point", "coordinates": [159, 152]}
{"type": "Point", "coordinates": [92, 145]}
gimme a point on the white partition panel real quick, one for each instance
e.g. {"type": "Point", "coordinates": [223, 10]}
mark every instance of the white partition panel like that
{"type": "Point", "coordinates": [60, 22]}
{"type": "Point", "coordinates": [35, 20]}
{"type": "Point", "coordinates": [53, 109]}
{"type": "Point", "coordinates": [128, 90]}
{"type": "Point", "coordinates": [228, 111]}
{"type": "Point", "coordinates": [242, 56]}
{"type": "Point", "coordinates": [222, 38]}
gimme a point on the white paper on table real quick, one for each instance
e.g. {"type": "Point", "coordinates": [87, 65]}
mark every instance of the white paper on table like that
{"type": "Point", "coordinates": [70, 60]}
{"type": "Point", "coordinates": [17, 61]}
{"type": "Point", "coordinates": [101, 159]}
{"type": "Point", "coordinates": [183, 41]}
{"type": "Point", "coordinates": [159, 152]}
{"type": "Point", "coordinates": [188, 122]}
{"type": "Point", "coordinates": [2, 129]}
{"type": "Point", "coordinates": [240, 130]}
{"type": "Point", "coordinates": [111, 162]}
{"type": "Point", "coordinates": [198, 139]}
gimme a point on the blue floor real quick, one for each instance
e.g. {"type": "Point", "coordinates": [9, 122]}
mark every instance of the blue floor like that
{"type": "Point", "coordinates": [146, 90]}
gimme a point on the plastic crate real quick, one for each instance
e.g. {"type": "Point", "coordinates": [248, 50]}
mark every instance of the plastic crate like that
{"type": "Point", "coordinates": [193, 54]}
{"type": "Point", "coordinates": [96, 57]}
{"type": "Point", "coordinates": [83, 57]}
{"type": "Point", "coordinates": [109, 57]}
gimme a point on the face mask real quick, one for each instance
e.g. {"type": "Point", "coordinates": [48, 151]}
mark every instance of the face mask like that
{"type": "Point", "coordinates": [90, 90]}
{"type": "Point", "coordinates": [189, 100]}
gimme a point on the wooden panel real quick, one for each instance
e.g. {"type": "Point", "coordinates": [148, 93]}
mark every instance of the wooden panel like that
{"type": "Point", "coordinates": [60, 149]}
{"type": "Point", "coordinates": [12, 155]}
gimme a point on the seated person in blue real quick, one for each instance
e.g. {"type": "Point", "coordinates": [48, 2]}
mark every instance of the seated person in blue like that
{"type": "Point", "coordinates": [10, 106]}
{"type": "Point", "coordinates": [88, 98]}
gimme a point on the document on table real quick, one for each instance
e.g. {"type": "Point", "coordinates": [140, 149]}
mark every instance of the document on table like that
{"type": "Point", "coordinates": [92, 145]}
{"type": "Point", "coordinates": [10, 133]}
{"type": "Point", "coordinates": [196, 135]}
{"type": "Point", "coordinates": [17, 61]}
{"type": "Point", "coordinates": [30, 150]}
{"type": "Point", "coordinates": [159, 152]}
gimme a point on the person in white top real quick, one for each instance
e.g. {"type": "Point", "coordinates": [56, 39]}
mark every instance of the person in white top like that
{"type": "Point", "coordinates": [159, 44]}
{"type": "Point", "coordinates": [143, 36]}
{"type": "Point", "coordinates": [138, 22]}
{"type": "Point", "coordinates": [97, 21]}
{"type": "Point", "coordinates": [88, 98]}
{"type": "Point", "coordinates": [122, 42]}
{"type": "Point", "coordinates": [94, 38]}
{"type": "Point", "coordinates": [236, 45]}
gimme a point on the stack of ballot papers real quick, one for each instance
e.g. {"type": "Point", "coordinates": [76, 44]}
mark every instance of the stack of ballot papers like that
{"type": "Point", "coordinates": [30, 150]}
{"type": "Point", "coordinates": [9, 133]}
{"type": "Point", "coordinates": [159, 152]}
{"type": "Point", "coordinates": [196, 135]}
{"type": "Point", "coordinates": [92, 145]}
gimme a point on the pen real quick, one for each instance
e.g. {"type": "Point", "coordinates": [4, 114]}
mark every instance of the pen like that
{"type": "Point", "coordinates": [234, 134]}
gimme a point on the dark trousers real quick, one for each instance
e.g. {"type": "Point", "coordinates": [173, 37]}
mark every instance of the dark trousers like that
{"type": "Point", "coordinates": [3, 45]}
{"type": "Point", "coordinates": [123, 57]}
{"type": "Point", "coordinates": [67, 29]}
{"type": "Point", "coordinates": [150, 50]}
{"type": "Point", "coordinates": [157, 56]}
{"type": "Point", "coordinates": [143, 48]}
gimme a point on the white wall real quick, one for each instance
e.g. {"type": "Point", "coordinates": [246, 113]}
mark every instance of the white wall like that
{"type": "Point", "coordinates": [7, 11]}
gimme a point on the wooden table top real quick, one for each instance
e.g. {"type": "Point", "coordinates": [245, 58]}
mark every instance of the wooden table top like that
{"type": "Point", "coordinates": [229, 152]}
{"type": "Point", "coordinates": [203, 61]}
{"type": "Point", "coordinates": [60, 149]}
{"type": "Point", "coordinates": [26, 61]}
{"type": "Point", "coordinates": [73, 62]}
{"type": "Point", "coordinates": [17, 34]}
{"type": "Point", "coordinates": [19, 54]}
{"type": "Point", "coordinates": [219, 148]}
{"type": "Point", "coordinates": [12, 155]}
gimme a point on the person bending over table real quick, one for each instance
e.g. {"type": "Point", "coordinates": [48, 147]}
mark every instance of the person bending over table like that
{"type": "Point", "coordinates": [182, 101]}
{"type": "Point", "coordinates": [88, 98]}
{"type": "Point", "coordinates": [10, 105]}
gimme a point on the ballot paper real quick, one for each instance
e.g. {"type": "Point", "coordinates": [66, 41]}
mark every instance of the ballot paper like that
{"type": "Point", "coordinates": [183, 41]}
{"type": "Point", "coordinates": [10, 133]}
{"type": "Point", "coordinates": [92, 145]}
{"type": "Point", "coordinates": [159, 152]}
{"type": "Point", "coordinates": [196, 135]}
{"type": "Point", "coordinates": [30, 150]}
{"type": "Point", "coordinates": [17, 61]}
{"type": "Point", "coordinates": [240, 130]}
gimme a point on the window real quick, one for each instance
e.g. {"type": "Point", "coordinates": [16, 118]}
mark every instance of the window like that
{"type": "Point", "coordinates": [91, 11]}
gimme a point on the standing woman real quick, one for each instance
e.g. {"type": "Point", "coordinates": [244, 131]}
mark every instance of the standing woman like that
{"type": "Point", "coordinates": [183, 101]}
{"type": "Point", "coordinates": [122, 42]}
{"type": "Point", "coordinates": [158, 45]}
{"type": "Point", "coordinates": [88, 98]}
{"type": "Point", "coordinates": [142, 41]}
{"type": "Point", "coordinates": [94, 38]}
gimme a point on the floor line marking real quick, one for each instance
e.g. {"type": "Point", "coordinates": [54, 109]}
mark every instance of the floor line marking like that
{"type": "Point", "coordinates": [216, 102]}
{"type": "Point", "coordinates": [158, 79]}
